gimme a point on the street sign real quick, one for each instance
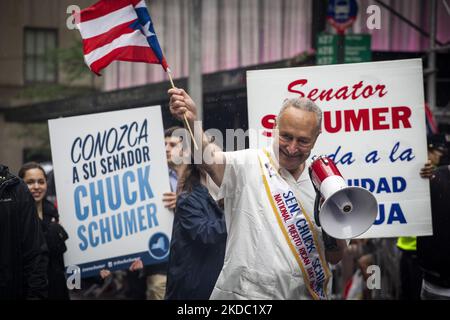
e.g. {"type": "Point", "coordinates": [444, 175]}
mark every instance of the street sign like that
{"type": "Point", "coordinates": [341, 14]}
{"type": "Point", "coordinates": [326, 49]}
{"type": "Point", "coordinates": [357, 48]}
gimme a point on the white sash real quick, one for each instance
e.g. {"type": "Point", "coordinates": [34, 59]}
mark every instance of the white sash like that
{"type": "Point", "coordinates": [297, 229]}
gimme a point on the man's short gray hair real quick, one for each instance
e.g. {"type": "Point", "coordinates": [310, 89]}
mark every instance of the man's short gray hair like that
{"type": "Point", "coordinates": [303, 104]}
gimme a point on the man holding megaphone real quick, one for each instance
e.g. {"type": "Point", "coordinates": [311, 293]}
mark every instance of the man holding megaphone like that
{"type": "Point", "coordinates": [275, 247]}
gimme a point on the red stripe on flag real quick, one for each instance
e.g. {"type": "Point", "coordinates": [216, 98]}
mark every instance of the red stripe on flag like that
{"type": "Point", "coordinates": [430, 119]}
{"type": "Point", "coordinates": [93, 43]}
{"type": "Point", "coordinates": [104, 7]}
{"type": "Point", "coordinates": [164, 64]}
{"type": "Point", "coordinates": [128, 53]}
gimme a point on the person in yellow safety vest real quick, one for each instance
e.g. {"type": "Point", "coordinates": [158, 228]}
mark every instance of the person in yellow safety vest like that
{"type": "Point", "coordinates": [407, 243]}
{"type": "Point", "coordinates": [410, 273]}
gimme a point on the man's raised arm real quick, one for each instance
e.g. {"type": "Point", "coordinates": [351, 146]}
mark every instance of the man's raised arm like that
{"type": "Point", "coordinates": [182, 104]}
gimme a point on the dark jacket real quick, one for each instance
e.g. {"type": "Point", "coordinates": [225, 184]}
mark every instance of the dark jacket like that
{"type": "Point", "coordinates": [197, 248]}
{"type": "Point", "coordinates": [55, 236]}
{"type": "Point", "coordinates": [23, 251]}
{"type": "Point", "coordinates": [434, 251]}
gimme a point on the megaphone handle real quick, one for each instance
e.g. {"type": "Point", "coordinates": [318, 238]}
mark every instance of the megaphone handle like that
{"type": "Point", "coordinates": [316, 208]}
{"type": "Point", "coordinates": [329, 242]}
{"type": "Point", "coordinates": [317, 200]}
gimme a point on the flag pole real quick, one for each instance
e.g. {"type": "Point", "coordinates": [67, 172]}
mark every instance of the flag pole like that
{"type": "Point", "coordinates": [169, 73]}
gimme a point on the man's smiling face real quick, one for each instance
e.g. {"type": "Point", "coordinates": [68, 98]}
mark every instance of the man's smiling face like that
{"type": "Point", "coordinates": [296, 134]}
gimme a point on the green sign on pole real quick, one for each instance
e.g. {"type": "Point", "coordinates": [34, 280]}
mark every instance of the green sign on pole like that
{"type": "Point", "coordinates": [357, 48]}
{"type": "Point", "coordinates": [326, 49]}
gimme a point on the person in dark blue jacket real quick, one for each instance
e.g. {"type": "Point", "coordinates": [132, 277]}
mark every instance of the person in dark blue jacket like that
{"type": "Point", "coordinates": [197, 248]}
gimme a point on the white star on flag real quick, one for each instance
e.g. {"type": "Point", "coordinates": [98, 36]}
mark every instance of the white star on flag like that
{"type": "Point", "coordinates": [147, 31]}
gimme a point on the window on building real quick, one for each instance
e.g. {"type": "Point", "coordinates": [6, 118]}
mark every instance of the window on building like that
{"type": "Point", "coordinates": [39, 55]}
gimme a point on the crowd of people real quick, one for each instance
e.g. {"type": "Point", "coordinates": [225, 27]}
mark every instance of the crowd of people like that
{"type": "Point", "coordinates": [230, 238]}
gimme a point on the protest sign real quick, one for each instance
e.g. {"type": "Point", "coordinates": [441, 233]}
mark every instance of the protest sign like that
{"type": "Point", "coordinates": [110, 173]}
{"type": "Point", "coordinates": [373, 128]}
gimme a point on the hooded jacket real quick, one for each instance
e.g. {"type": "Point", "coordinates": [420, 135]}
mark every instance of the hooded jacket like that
{"type": "Point", "coordinates": [23, 251]}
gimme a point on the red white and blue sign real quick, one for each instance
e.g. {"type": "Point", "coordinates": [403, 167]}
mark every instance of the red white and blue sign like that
{"type": "Point", "coordinates": [341, 14]}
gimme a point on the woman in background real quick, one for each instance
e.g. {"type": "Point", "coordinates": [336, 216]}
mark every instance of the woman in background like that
{"type": "Point", "coordinates": [36, 179]}
{"type": "Point", "coordinates": [197, 248]}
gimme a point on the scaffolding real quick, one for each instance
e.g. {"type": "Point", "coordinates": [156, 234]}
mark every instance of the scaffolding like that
{"type": "Point", "coordinates": [435, 46]}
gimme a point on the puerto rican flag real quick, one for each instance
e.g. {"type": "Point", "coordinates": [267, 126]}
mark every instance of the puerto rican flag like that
{"type": "Point", "coordinates": [432, 126]}
{"type": "Point", "coordinates": [118, 30]}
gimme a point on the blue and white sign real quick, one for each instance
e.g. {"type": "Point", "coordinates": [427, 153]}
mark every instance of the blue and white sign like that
{"type": "Point", "coordinates": [342, 13]}
{"type": "Point", "coordinates": [110, 173]}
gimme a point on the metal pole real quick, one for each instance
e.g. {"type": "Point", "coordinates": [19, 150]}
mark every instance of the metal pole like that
{"type": "Point", "coordinates": [195, 87]}
{"type": "Point", "coordinates": [341, 47]}
{"type": "Point", "coordinates": [431, 79]}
